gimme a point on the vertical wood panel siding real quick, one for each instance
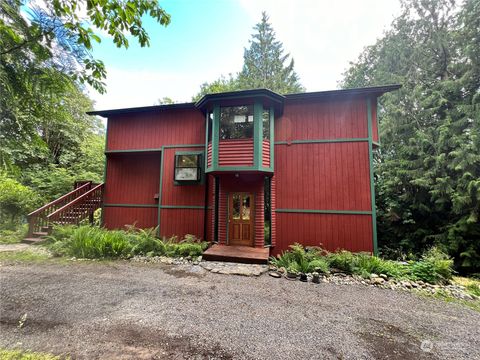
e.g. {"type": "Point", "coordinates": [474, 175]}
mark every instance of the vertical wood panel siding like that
{"type": "Point", "coordinates": [118, 217]}
{"type": "Point", "coordinates": [325, 176]}
{"type": "Point", "coordinates": [266, 153]}
{"type": "Point", "coordinates": [132, 178]}
{"type": "Point", "coordinates": [333, 232]}
{"type": "Point", "coordinates": [180, 222]}
{"type": "Point", "coordinates": [332, 119]}
{"type": "Point", "coordinates": [222, 213]}
{"type": "Point", "coordinates": [238, 152]}
{"type": "Point", "coordinates": [153, 129]}
{"type": "Point", "coordinates": [191, 195]}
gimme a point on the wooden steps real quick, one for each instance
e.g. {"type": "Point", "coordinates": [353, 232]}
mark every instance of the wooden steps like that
{"type": "Point", "coordinates": [30, 240]}
{"type": "Point", "coordinates": [241, 254]}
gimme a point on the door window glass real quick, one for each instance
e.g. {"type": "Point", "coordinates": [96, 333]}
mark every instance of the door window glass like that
{"type": "Point", "coordinates": [236, 206]}
{"type": "Point", "coordinates": [246, 207]}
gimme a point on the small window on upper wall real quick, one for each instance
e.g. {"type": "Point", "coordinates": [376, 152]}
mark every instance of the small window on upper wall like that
{"type": "Point", "coordinates": [236, 122]}
{"type": "Point", "coordinates": [266, 124]}
{"type": "Point", "coordinates": [188, 167]}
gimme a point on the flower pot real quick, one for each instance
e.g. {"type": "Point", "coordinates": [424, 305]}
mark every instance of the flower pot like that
{"type": "Point", "coordinates": [316, 278]}
{"type": "Point", "coordinates": [291, 275]}
{"type": "Point", "coordinates": [303, 277]}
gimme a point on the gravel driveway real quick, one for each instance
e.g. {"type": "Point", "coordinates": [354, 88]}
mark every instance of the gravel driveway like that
{"type": "Point", "coordinates": [137, 311]}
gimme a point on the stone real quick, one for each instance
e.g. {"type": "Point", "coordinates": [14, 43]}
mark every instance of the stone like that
{"type": "Point", "coordinates": [275, 274]}
{"type": "Point", "coordinates": [383, 276]}
{"type": "Point", "coordinates": [373, 276]}
{"type": "Point", "coordinates": [377, 281]}
{"type": "Point", "coordinates": [406, 284]}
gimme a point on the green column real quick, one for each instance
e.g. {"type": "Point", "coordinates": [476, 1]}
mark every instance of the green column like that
{"type": "Point", "coordinates": [257, 135]}
{"type": "Point", "coordinates": [215, 136]}
{"type": "Point", "coordinates": [372, 178]}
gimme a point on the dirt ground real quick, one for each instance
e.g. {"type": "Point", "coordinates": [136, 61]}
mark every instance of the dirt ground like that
{"type": "Point", "coordinates": [92, 310]}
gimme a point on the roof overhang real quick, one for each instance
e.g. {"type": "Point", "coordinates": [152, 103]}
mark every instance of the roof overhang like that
{"type": "Point", "coordinates": [266, 96]}
{"type": "Point", "coordinates": [107, 113]}
{"type": "Point", "coordinates": [374, 91]}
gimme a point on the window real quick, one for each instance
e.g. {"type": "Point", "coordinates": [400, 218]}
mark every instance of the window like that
{"type": "Point", "coordinates": [188, 167]}
{"type": "Point", "coordinates": [266, 124]}
{"type": "Point", "coordinates": [210, 125]}
{"type": "Point", "coordinates": [236, 122]}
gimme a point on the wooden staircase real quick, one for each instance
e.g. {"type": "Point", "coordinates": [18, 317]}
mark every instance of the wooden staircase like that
{"type": "Point", "coordinates": [72, 208]}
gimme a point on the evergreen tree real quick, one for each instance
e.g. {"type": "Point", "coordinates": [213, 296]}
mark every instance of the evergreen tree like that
{"type": "Point", "coordinates": [263, 67]}
{"type": "Point", "coordinates": [264, 63]}
{"type": "Point", "coordinates": [428, 168]}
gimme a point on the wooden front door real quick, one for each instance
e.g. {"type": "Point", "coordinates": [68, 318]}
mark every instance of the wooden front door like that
{"type": "Point", "coordinates": [240, 221]}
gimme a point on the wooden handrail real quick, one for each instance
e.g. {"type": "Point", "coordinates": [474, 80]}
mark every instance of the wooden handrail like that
{"type": "Point", "coordinates": [73, 202]}
{"type": "Point", "coordinates": [59, 199]}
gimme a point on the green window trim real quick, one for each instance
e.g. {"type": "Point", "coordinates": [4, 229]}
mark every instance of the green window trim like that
{"type": "Point", "coordinates": [372, 176]}
{"type": "Point", "coordinates": [200, 167]}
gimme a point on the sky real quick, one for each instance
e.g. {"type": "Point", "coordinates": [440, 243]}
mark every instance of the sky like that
{"type": "Point", "coordinates": [206, 39]}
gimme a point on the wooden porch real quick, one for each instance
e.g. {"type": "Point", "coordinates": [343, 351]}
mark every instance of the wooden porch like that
{"type": "Point", "coordinates": [241, 254]}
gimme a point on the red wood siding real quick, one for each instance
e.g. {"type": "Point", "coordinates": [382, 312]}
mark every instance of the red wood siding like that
{"type": "Point", "coordinates": [118, 217]}
{"type": "Point", "coordinates": [132, 178]}
{"type": "Point", "coordinates": [238, 152]}
{"type": "Point", "coordinates": [273, 200]}
{"type": "Point", "coordinates": [375, 135]}
{"type": "Point", "coordinates": [351, 232]}
{"type": "Point", "coordinates": [180, 222]}
{"type": "Point", "coordinates": [266, 153]}
{"type": "Point", "coordinates": [333, 119]}
{"type": "Point", "coordinates": [172, 194]}
{"type": "Point", "coordinates": [326, 176]}
{"type": "Point", "coordinates": [244, 183]}
{"type": "Point", "coordinates": [151, 130]}
{"type": "Point", "coordinates": [209, 154]}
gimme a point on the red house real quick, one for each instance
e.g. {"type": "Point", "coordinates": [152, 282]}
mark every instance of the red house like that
{"type": "Point", "coordinates": [248, 168]}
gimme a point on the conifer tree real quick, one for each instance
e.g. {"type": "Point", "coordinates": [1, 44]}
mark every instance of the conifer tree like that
{"type": "Point", "coordinates": [265, 63]}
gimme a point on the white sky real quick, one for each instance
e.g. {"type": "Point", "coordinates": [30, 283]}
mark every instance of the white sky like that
{"type": "Point", "coordinates": [322, 36]}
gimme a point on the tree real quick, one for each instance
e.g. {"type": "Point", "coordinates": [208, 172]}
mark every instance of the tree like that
{"type": "Point", "coordinates": [264, 63]}
{"type": "Point", "coordinates": [164, 101]}
{"type": "Point", "coordinates": [428, 168]}
{"type": "Point", "coordinates": [59, 31]}
{"type": "Point", "coordinates": [263, 67]}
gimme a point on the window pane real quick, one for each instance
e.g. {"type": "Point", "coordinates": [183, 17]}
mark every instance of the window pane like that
{"type": "Point", "coordinates": [246, 207]}
{"type": "Point", "coordinates": [236, 206]}
{"type": "Point", "coordinates": [210, 126]}
{"type": "Point", "coordinates": [187, 160]}
{"type": "Point", "coordinates": [236, 122]}
{"type": "Point", "coordinates": [186, 174]}
{"type": "Point", "coordinates": [266, 124]}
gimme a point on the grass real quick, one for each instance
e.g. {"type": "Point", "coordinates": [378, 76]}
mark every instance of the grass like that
{"type": "Point", "coordinates": [434, 267]}
{"type": "Point", "coordinates": [472, 285]}
{"type": "Point", "coordinates": [89, 242]}
{"type": "Point", "coordinates": [23, 256]}
{"type": "Point", "coordinates": [27, 355]}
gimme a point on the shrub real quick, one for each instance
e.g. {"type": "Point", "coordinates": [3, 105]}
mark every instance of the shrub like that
{"type": "Point", "coordinates": [434, 267]}
{"type": "Point", "coordinates": [92, 242]}
{"type": "Point", "coordinates": [16, 200]}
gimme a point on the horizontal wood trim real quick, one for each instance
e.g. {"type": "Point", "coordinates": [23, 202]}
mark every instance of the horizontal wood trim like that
{"type": "Point", "coordinates": [320, 141]}
{"type": "Point", "coordinates": [154, 149]}
{"type": "Point", "coordinates": [315, 211]}
{"type": "Point", "coordinates": [132, 205]}
{"type": "Point", "coordinates": [200, 207]}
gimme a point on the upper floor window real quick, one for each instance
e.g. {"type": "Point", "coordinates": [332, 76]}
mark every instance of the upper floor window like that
{"type": "Point", "coordinates": [236, 122]}
{"type": "Point", "coordinates": [266, 124]}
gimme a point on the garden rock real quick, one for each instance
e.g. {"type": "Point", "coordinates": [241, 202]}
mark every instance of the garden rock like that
{"type": "Point", "coordinates": [275, 274]}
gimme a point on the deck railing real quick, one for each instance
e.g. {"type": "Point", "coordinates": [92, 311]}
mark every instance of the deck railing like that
{"type": "Point", "coordinates": [37, 220]}
{"type": "Point", "coordinates": [79, 208]}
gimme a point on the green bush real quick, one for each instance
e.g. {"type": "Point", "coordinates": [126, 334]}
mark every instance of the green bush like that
{"type": "Point", "coordinates": [91, 242]}
{"type": "Point", "coordinates": [16, 201]}
{"type": "Point", "coordinates": [13, 236]}
{"type": "Point", "coordinates": [433, 267]}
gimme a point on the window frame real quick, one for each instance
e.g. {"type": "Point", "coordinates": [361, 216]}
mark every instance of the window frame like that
{"type": "Point", "coordinates": [234, 125]}
{"type": "Point", "coordinates": [199, 167]}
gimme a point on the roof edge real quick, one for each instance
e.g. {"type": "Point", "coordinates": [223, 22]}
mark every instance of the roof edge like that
{"type": "Point", "coordinates": [105, 113]}
{"type": "Point", "coordinates": [373, 90]}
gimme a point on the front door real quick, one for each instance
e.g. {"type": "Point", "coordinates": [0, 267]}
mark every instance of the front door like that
{"type": "Point", "coordinates": [240, 210]}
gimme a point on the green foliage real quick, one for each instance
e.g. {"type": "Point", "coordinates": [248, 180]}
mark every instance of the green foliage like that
{"type": "Point", "coordinates": [265, 65]}
{"type": "Point", "coordinates": [8, 236]}
{"type": "Point", "coordinates": [16, 200]}
{"type": "Point", "coordinates": [27, 355]}
{"type": "Point", "coordinates": [428, 168]}
{"type": "Point", "coordinates": [434, 266]}
{"type": "Point", "coordinates": [95, 243]}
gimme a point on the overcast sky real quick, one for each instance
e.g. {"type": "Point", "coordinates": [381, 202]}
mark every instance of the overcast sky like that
{"type": "Point", "coordinates": [206, 39]}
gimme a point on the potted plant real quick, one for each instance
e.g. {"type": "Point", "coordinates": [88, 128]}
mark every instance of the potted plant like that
{"type": "Point", "coordinates": [292, 271]}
